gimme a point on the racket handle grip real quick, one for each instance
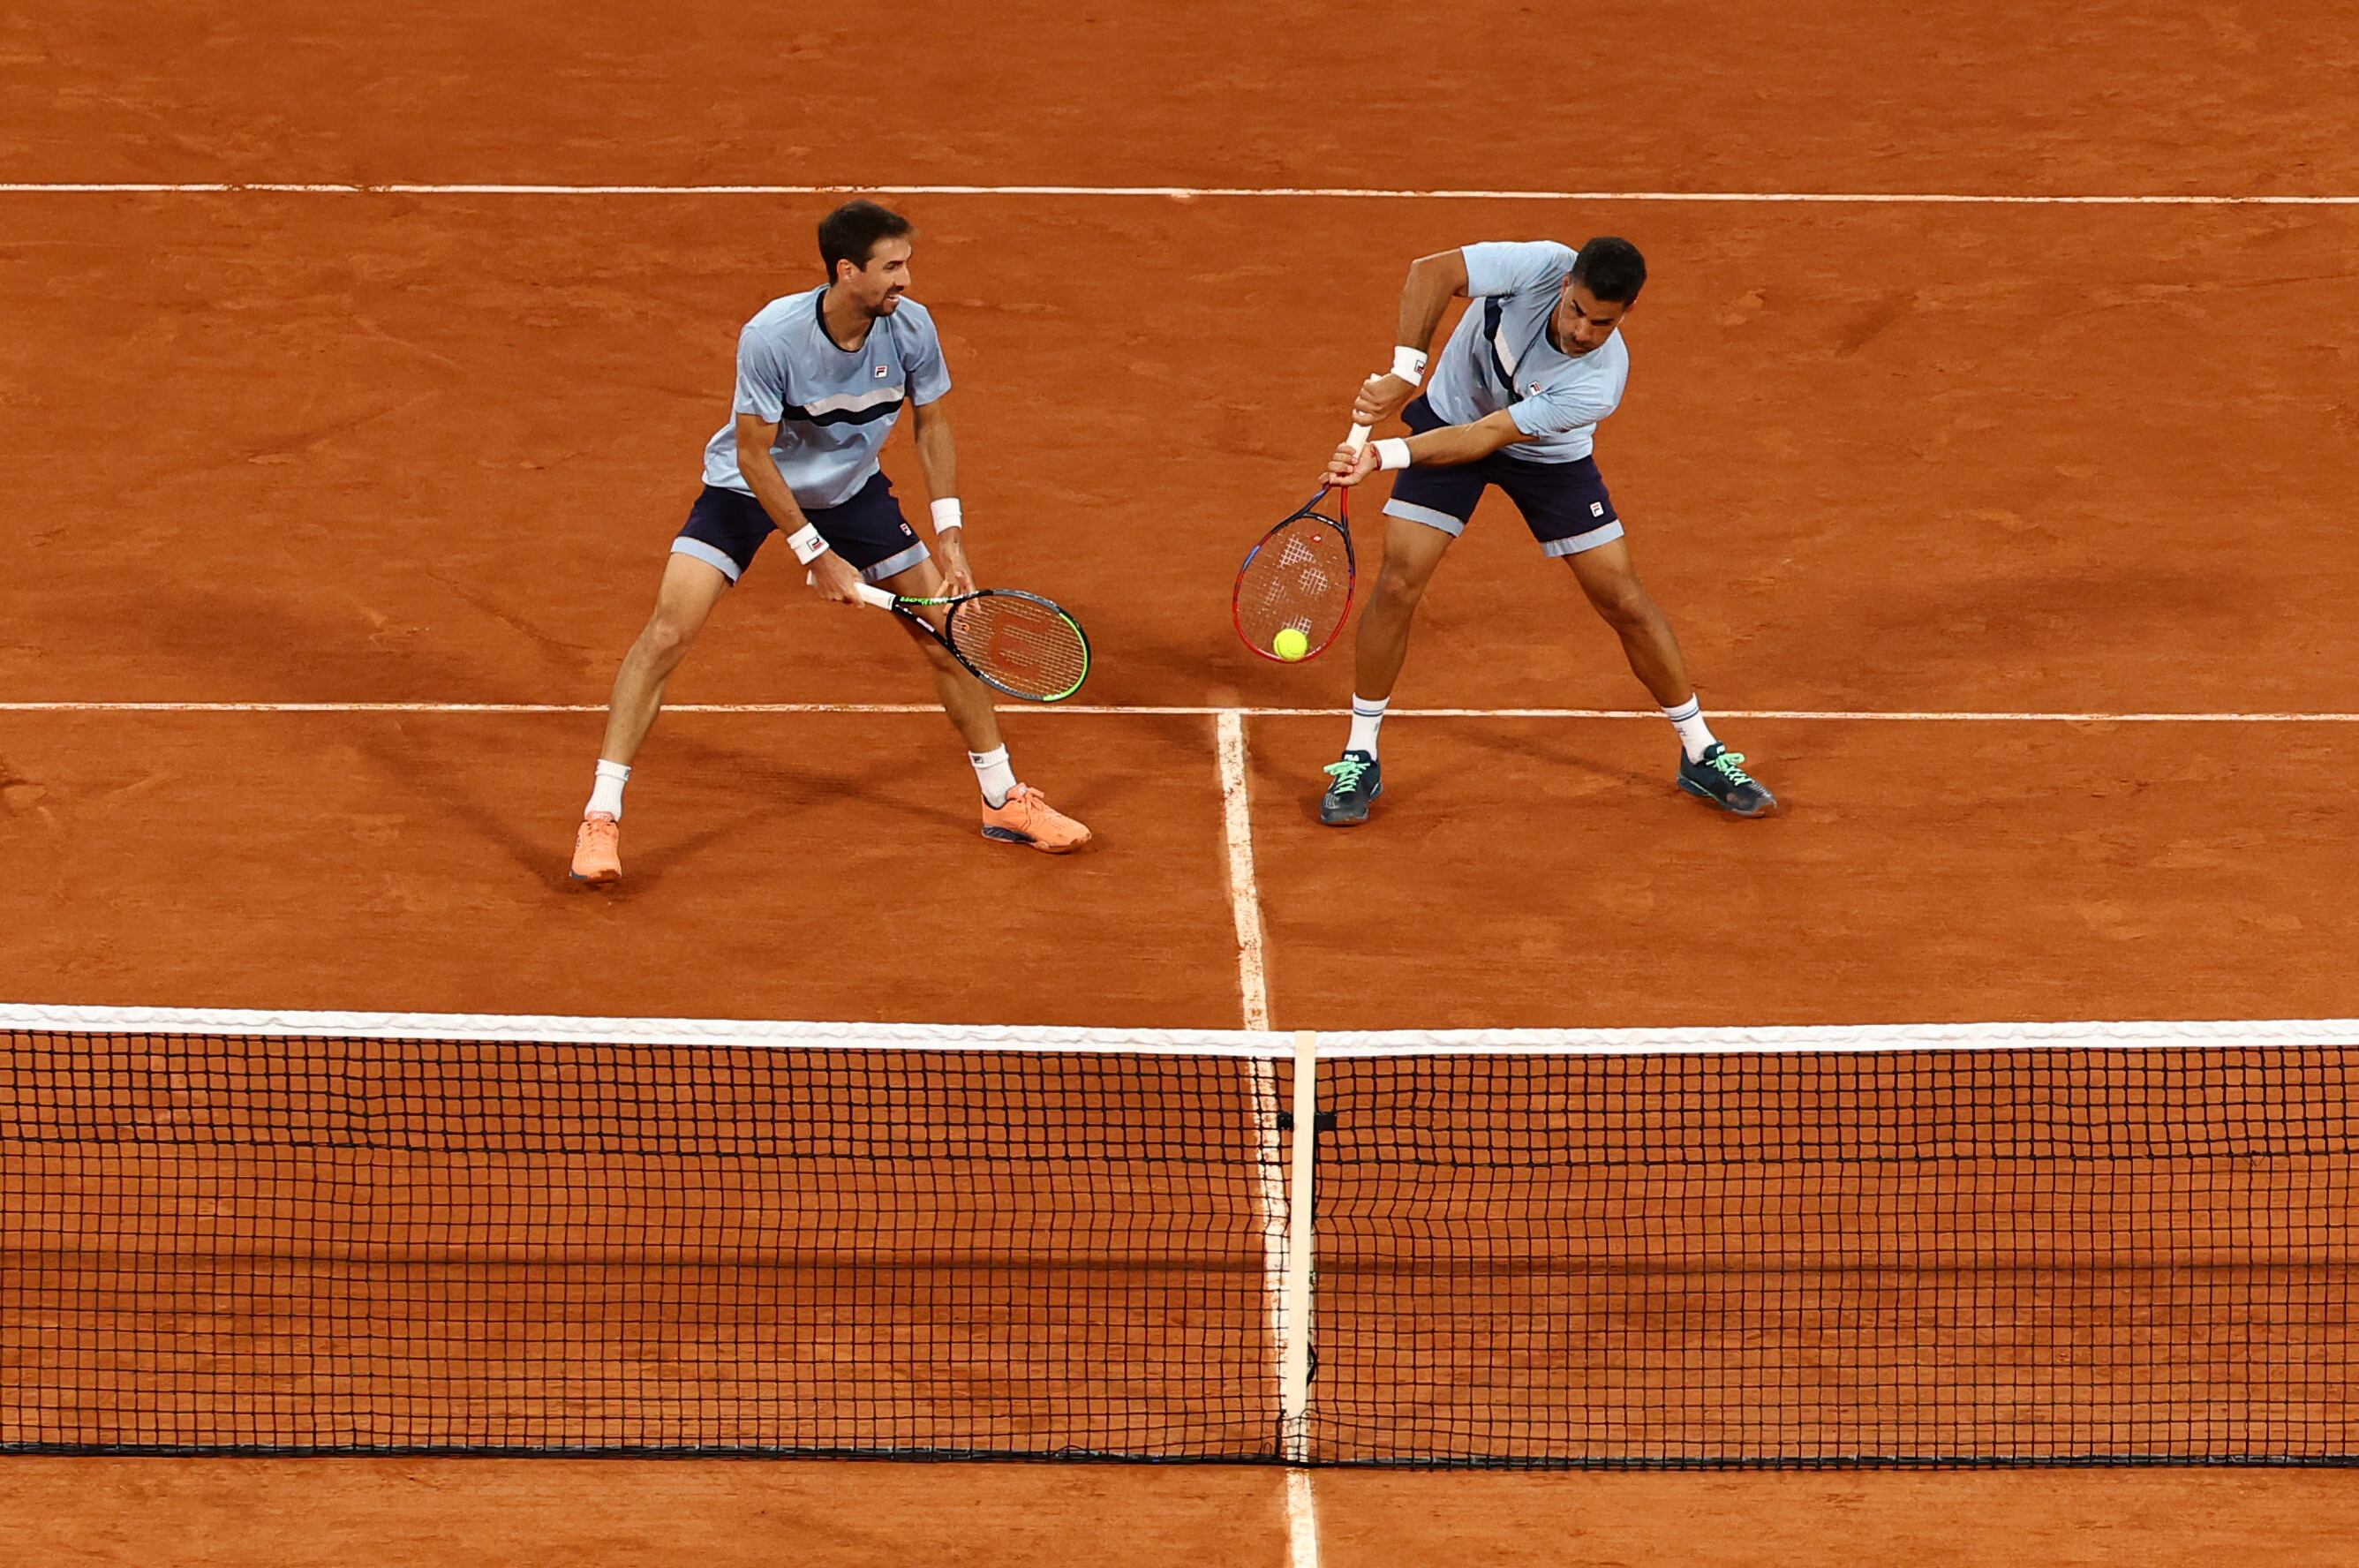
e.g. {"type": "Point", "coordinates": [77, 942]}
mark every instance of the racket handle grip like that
{"type": "Point", "coordinates": [1359, 437]}
{"type": "Point", "coordinates": [869, 593]}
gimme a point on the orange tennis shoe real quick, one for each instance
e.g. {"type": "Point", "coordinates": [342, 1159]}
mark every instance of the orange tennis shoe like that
{"type": "Point", "coordinates": [598, 850]}
{"type": "Point", "coordinates": [1029, 818]}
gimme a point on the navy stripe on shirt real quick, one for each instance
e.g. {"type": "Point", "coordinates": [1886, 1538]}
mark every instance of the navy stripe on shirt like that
{"type": "Point", "coordinates": [842, 416]}
{"type": "Point", "coordinates": [1493, 310]}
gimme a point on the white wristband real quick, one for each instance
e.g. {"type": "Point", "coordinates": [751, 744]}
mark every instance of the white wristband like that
{"type": "Point", "coordinates": [946, 514]}
{"type": "Point", "coordinates": [1392, 452]}
{"type": "Point", "coordinates": [806, 544]}
{"type": "Point", "coordinates": [1408, 364]}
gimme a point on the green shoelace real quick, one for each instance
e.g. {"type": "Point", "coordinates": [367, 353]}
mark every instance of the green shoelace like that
{"type": "Point", "coordinates": [1348, 773]}
{"type": "Point", "coordinates": [1729, 765]}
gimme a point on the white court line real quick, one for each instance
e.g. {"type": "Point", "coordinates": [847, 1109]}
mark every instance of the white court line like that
{"type": "Point", "coordinates": [1301, 1521]}
{"type": "Point", "coordinates": [1244, 892]}
{"type": "Point", "coordinates": [1284, 1306]}
{"type": "Point", "coordinates": [1826, 715]}
{"type": "Point", "coordinates": [1177, 193]}
{"type": "Point", "coordinates": [1301, 1252]}
{"type": "Point", "coordinates": [1269, 1206]}
{"type": "Point", "coordinates": [1269, 1197]}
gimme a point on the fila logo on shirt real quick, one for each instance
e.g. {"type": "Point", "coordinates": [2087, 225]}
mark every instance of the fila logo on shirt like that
{"type": "Point", "coordinates": [881, 372]}
{"type": "Point", "coordinates": [1533, 390]}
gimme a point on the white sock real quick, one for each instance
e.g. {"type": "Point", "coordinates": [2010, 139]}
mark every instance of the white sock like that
{"type": "Point", "coordinates": [1695, 736]}
{"type": "Point", "coordinates": [606, 794]}
{"type": "Point", "coordinates": [992, 771]}
{"type": "Point", "coordinates": [1367, 714]}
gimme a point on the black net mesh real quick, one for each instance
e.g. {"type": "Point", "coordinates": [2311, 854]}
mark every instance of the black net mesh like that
{"type": "Point", "coordinates": [2037, 1256]}
{"type": "Point", "coordinates": [2027, 1255]}
{"type": "Point", "coordinates": [338, 1244]}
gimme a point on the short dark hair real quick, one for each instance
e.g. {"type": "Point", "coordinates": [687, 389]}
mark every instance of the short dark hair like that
{"type": "Point", "coordinates": [852, 232]}
{"type": "Point", "coordinates": [1610, 268]}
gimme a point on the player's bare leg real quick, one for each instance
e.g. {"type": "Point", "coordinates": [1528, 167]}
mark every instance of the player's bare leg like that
{"type": "Point", "coordinates": [1707, 769]}
{"type": "Point", "coordinates": [1610, 580]}
{"type": "Point", "coordinates": [1379, 648]}
{"type": "Point", "coordinates": [1012, 812]}
{"type": "Point", "coordinates": [966, 700]}
{"type": "Point", "coordinates": [684, 601]}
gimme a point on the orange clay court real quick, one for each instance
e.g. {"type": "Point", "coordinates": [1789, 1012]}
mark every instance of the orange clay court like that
{"type": "Point", "coordinates": [2006, 538]}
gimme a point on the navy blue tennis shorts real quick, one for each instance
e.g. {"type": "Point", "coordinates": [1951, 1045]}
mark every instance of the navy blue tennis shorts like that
{"type": "Point", "coordinates": [1564, 504]}
{"type": "Point", "coordinates": [727, 526]}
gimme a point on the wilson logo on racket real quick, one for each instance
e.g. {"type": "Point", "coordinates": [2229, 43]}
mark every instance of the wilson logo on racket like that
{"type": "Point", "coordinates": [1018, 643]}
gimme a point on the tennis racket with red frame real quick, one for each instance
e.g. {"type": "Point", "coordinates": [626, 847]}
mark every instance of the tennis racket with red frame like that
{"type": "Point", "coordinates": [1301, 575]}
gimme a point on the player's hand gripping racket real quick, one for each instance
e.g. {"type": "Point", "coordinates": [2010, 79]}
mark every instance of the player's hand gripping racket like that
{"type": "Point", "coordinates": [1014, 642]}
{"type": "Point", "coordinates": [1294, 591]}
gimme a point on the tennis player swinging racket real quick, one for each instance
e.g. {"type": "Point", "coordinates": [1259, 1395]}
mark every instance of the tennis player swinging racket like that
{"type": "Point", "coordinates": [1534, 362]}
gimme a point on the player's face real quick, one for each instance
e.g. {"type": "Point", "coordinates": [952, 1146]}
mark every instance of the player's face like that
{"type": "Point", "coordinates": [1584, 321]}
{"type": "Point", "coordinates": [878, 286]}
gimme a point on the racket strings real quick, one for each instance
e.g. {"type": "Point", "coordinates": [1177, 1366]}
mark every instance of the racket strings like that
{"type": "Point", "coordinates": [1300, 580]}
{"type": "Point", "coordinates": [1022, 643]}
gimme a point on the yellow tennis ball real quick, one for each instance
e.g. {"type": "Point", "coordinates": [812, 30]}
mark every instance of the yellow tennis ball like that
{"type": "Point", "coordinates": [1289, 644]}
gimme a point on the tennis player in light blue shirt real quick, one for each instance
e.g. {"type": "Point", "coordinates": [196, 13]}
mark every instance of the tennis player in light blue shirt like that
{"type": "Point", "coordinates": [1500, 359]}
{"type": "Point", "coordinates": [834, 407]}
{"type": "Point", "coordinates": [1536, 361]}
{"type": "Point", "coordinates": [823, 377]}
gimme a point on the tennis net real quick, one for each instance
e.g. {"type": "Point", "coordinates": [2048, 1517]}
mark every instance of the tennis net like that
{"type": "Point", "coordinates": [2036, 1243]}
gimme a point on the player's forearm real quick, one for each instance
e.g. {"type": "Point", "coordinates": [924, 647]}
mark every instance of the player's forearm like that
{"type": "Point", "coordinates": [1454, 444]}
{"type": "Point", "coordinates": [1433, 282]}
{"type": "Point", "coordinates": [938, 458]}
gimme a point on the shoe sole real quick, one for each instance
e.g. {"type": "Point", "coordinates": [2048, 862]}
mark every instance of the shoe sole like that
{"type": "Point", "coordinates": [1709, 799]}
{"type": "Point", "coordinates": [1009, 835]}
{"type": "Point", "coordinates": [598, 879]}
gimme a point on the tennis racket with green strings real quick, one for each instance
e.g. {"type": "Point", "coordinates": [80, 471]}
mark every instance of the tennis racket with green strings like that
{"type": "Point", "coordinates": [1014, 642]}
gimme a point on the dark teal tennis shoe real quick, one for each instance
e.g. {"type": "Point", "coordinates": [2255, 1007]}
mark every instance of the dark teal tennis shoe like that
{"type": "Point", "coordinates": [1720, 778]}
{"type": "Point", "coordinates": [1358, 781]}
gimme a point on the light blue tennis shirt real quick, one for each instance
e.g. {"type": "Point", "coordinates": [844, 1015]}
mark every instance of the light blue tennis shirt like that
{"type": "Point", "coordinates": [834, 407]}
{"type": "Point", "coordinates": [1500, 356]}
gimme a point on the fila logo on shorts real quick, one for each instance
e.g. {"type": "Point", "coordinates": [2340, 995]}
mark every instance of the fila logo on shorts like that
{"type": "Point", "coordinates": [1597, 508]}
